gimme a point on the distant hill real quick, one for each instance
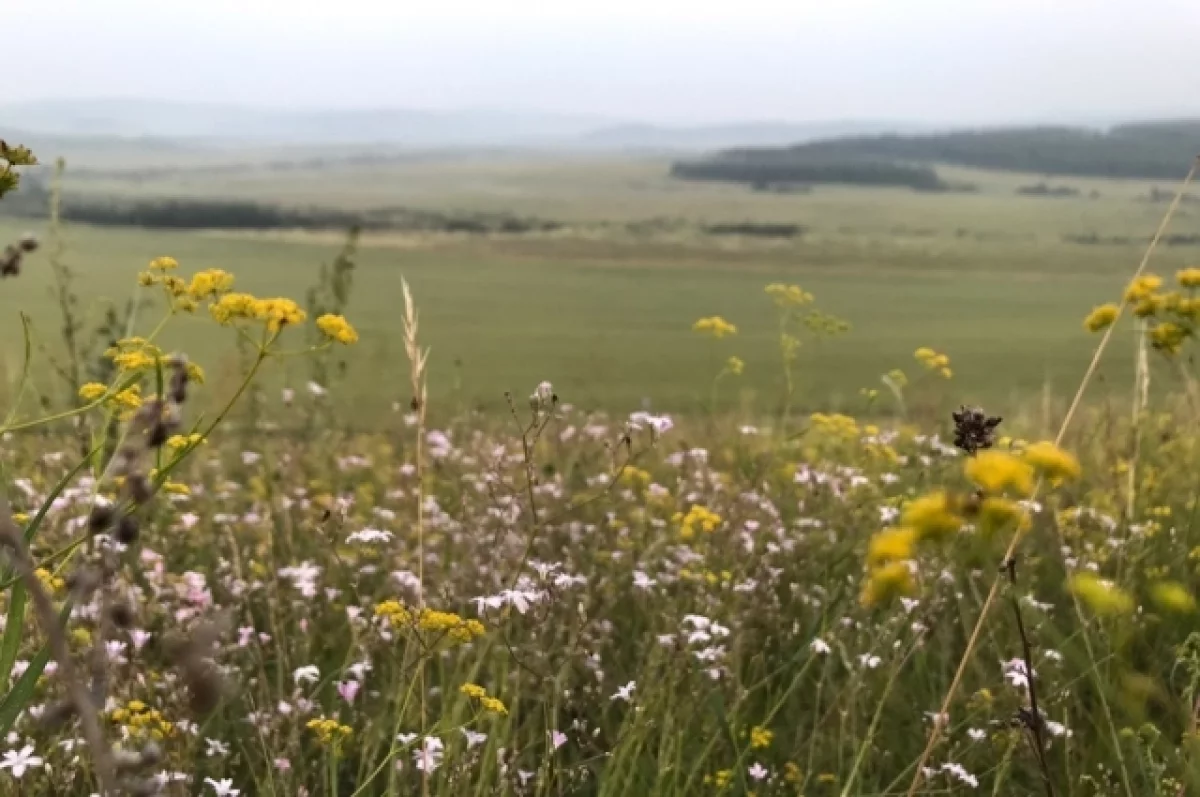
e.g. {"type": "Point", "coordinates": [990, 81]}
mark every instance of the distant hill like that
{"type": "Point", "coordinates": [189, 125]}
{"type": "Point", "coordinates": [1153, 150]}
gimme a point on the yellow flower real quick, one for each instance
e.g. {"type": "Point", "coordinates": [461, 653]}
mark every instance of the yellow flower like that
{"type": "Point", "coordinates": [1101, 317]}
{"type": "Point", "coordinates": [788, 295]}
{"type": "Point", "coordinates": [1052, 461]}
{"type": "Point", "coordinates": [179, 441]}
{"type": "Point", "coordinates": [996, 514]}
{"type": "Point", "coordinates": [163, 264]}
{"type": "Point", "coordinates": [177, 488]}
{"type": "Point", "coordinates": [931, 516]}
{"type": "Point", "coordinates": [211, 282]}
{"type": "Point", "coordinates": [698, 518]}
{"type": "Point", "coordinates": [395, 613]}
{"type": "Point", "coordinates": [337, 328]}
{"type": "Point", "coordinates": [129, 399]}
{"type": "Point", "coordinates": [329, 731]}
{"type": "Point", "coordinates": [278, 313]}
{"type": "Point", "coordinates": [715, 326]}
{"type": "Point", "coordinates": [1102, 597]}
{"type": "Point", "coordinates": [735, 366]}
{"type": "Point", "coordinates": [999, 472]}
{"type": "Point", "coordinates": [1188, 277]}
{"type": "Point", "coordinates": [92, 391]}
{"type": "Point", "coordinates": [886, 583]}
{"type": "Point", "coordinates": [493, 705]}
{"type": "Point", "coordinates": [1142, 288]}
{"type": "Point", "coordinates": [891, 545]}
{"type": "Point", "coordinates": [232, 307]}
{"type": "Point", "coordinates": [450, 624]}
{"type": "Point", "coordinates": [473, 691]}
{"type": "Point", "coordinates": [1172, 596]}
{"type": "Point", "coordinates": [1168, 337]}
{"type": "Point", "coordinates": [136, 360]}
{"type": "Point", "coordinates": [760, 737]}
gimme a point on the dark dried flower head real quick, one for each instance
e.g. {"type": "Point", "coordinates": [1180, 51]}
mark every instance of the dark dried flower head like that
{"type": "Point", "coordinates": [974, 430]}
{"type": "Point", "coordinates": [99, 519]}
{"type": "Point", "coordinates": [127, 530]}
{"type": "Point", "coordinates": [121, 614]}
{"type": "Point", "coordinates": [137, 488]}
{"type": "Point", "coordinates": [28, 242]}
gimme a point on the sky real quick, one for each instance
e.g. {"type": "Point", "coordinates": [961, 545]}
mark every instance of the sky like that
{"type": "Point", "coordinates": [661, 61]}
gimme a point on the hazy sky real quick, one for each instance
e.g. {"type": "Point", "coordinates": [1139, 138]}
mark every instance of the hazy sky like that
{"type": "Point", "coordinates": [672, 61]}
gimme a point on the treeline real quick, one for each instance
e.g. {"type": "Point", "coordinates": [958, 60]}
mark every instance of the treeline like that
{"type": "Point", "coordinates": [1148, 150]}
{"type": "Point", "coordinates": [769, 169]}
{"type": "Point", "coordinates": [229, 214]}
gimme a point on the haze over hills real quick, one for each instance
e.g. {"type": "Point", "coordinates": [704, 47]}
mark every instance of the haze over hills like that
{"type": "Point", "coordinates": [175, 124]}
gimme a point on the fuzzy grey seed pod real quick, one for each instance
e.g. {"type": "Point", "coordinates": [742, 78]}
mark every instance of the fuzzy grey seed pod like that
{"type": "Point", "coordinates": [99, 519]}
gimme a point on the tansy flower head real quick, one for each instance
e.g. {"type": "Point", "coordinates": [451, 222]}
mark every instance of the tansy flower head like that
{"type": "Point", "coordinates": [92, 391]}
{"type": "Point", "coordinates": [931, 516]}
{"type": "Point", "coordinates": [999, 472]}
{"type": "Point", "coordinates": [335, 327]}
{"type": "Point", "coordinates": [211, 282]}
{"type": "Point", "coordinates": [1102, 597]}
{"type": "Point", "coordinates": [163, 264]}
{"type": "Point", "coordinates": [1054, 463]}
{"type": "Point", "coordinates": [891, 545]}
{"type": "Point", "coordinates": [886, 583]}
{"type": "Point", "coordinates": [1142, 288]}
{"type": "Point", "coordinates": [1101, 317]}
{"type": "Point", "coordinates": [715, 326]}
{"type": "Point", "coordinates": [1188, 277]}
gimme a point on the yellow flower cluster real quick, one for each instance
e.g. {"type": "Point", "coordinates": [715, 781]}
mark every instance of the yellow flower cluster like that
{"type": "Point", "coordinates": [1052, 462]}
{"type": "Point", "coordinates": [1172, 316]}
{"type": "Point", "coordinates": [142, 721]}
{"type": "Point", "coordinates": [210, 283]}
{"type": "Point", "coordinates": [735, 366]}
{"type": "Point", "coordinates": [394, 612]}
{"type": "Point", "coordinates": [635, 477]}
{"type": "Point", "coordinates": [788, 295]}
{"type": "Point", "coordinates": [329, 732]}
{"type": "Point", "coordinates": [834, 424]}
{"type": "Point", "coordinates": [1101, 317]}
{"type": "Point", "coordinates": [934, 361]}
{"type": "Point", "coordinates": [335, 327]}
{"type": "Point", "coordinates": [760, 737]}
{"type": "Point", "coordinates": [720, 779]}
{"type": "Point", "coordinates": [698, 518]}
{"type": "Point", "coordinates": [492, 705]}
{"type": "Point", "coordinates": [1172, 596]}
{"type": "Point", "coordinates": [998, 472]}
{"type": "Point", "coordinates": [450, 624]}
{"type": "Point", "coordinates": [276, 313]}
{"type": "Point", "coordinates": [1102, 597]}
{"type": "Point", "coordinates": [180, 441]}
{"type": "Point", "coordinates": [50, 582]}
{"type": "Point", "coordinates": [715, 326]}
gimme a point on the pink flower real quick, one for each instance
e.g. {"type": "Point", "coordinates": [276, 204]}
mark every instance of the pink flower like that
{"type": "Point", "coordinates": [557, 739]}
{"type": "Point", "coordinates": [282, 764]}
{"type": "Point", "coordinates": [348, 690]}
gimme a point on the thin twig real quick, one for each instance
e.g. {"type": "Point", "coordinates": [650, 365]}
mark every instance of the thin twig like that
{"type": "Point", "coordinates": [1035, 725]}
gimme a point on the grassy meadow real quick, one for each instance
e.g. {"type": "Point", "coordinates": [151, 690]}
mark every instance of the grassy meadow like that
{"type": "Point", "coordinates": [650, 574]}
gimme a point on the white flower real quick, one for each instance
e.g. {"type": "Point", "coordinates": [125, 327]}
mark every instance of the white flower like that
{"type": "Point", "coordinates": [1057, 728]}
{"type": "Point", "coordinates": [820, 646]}
{"type": "Point", "coordinates": [869, 661]}
{"type": "Point", "coordinates": [977, 734]}
{"type": "Point", "coordinates": [369, 536]}
{"type": "Point", "coordinates": [307, 674]}
{"type": "Point", "coordinates": [625, 692]}
{"type": "Point", "coordinates": [474, 738]}
{"type": "Point", "coordinates": [958, 771]}
{"type": "Point", "coordinates": [20, 761]}
{"type": "Point", "coordinates": [287, 395]}
{"type": "Point", "coordinates": [316, 389]}
{"type": "Point", "coordinates": [757, 771]}
{"type": "Point", "coordinates": [405, 738]}
{"type": "Point", "coordinates": [214, 747]}
{"type": "Point", "coordinates": [543, 394]}
{"type": "Point", "coordinates": [223, 787]}
{"type": "Point", "coordinates": [429, 757]}
{"type": "Point", "coordinates": [642, 581]}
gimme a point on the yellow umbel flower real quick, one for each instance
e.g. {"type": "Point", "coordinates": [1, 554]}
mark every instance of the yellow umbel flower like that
{"type": "Point", "coordinates": [887, 583]}
{"type": "Point", "coordinates": [891, 545]}
{"type": "Point", "coordinates": [337, 328]}
{"type": "Point", "coordinates": [278, 313]}
{"type": "Point", "coordinates": [1101, 317]}
{"type": "Point", "coordinates": [735, 366]}
{"type": "Point", "coordinates": [1142, 288]}
{"type": "Point", "coordinates": [92, 391]}
{"type": "Point", "coordinates": [931, 515]}
{"type": "Point", "coordinates": [474, 691]}
{"type": "Point", "coordinates": [209, 283]}
{"type": "Point", "coordinates": [1054, 463]}
{"type": "Point", "coordinates": [998, 472]}
{"type": "Point", "coordinates": [1188, 277]}
{"type": "Point", "coordinates": [1172, 596]}
{"type": "Point", "coordinates": [788, 295]}
{"type": "Point", "coordinates": [394, 612]}
{"type": "Point", "coordinates": [163, 264]}
{"type": "Point", "coordinates": [329, 732]}
{"type": "Point", "coordinates": [1102, 597]}
{"type": "Point", "coordinates": [760, 737]}
{"type": "Point", "coordinates": [715, 326]}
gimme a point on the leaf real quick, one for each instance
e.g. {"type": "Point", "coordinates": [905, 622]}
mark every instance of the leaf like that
{"type": "Point", "coordinates": [19, 696]}
{"type": "Point", "coordinates": [12, 631]}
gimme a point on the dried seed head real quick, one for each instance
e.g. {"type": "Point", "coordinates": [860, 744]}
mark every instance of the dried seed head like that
{"type": "Point", "coordinates": [973, 429]}
{"type": "Point", "coordinates": [127, 530]}
{"type": "Point", "coordinates": [137, 488]}
{"type": "Point", "coordinates": [121, 614]}
{"type": "Point", "coordinates": [99, 519]}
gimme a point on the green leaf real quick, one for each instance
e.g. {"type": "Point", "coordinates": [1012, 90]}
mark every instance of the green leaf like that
{"type": "Point", "coordinates": [12, 631]}
{"type": "Point", "coordinates": [19, 696]}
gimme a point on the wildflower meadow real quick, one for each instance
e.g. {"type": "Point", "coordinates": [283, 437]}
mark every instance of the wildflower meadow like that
{"type": "Point", "coordinates": [211, 586]}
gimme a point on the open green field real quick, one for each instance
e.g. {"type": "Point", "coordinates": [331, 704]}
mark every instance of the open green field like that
{"type": "Point", "coordinates": [603, 308]}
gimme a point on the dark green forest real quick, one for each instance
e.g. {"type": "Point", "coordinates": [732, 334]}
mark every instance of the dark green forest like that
{"type": "Point", "coordinates": [1158, 150]}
